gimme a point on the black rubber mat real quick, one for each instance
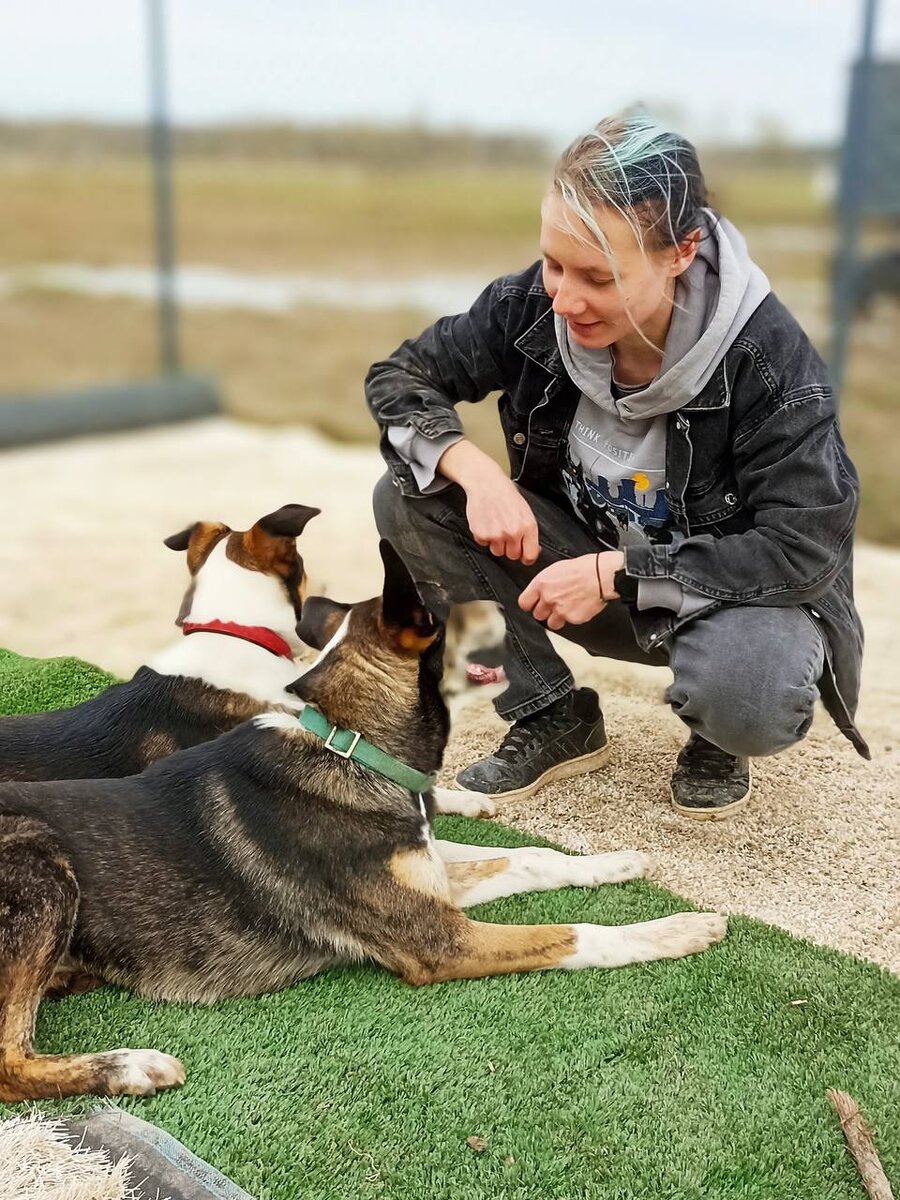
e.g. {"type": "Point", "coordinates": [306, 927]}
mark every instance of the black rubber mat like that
{"type": "Point", "coordinates": [162, 1166]}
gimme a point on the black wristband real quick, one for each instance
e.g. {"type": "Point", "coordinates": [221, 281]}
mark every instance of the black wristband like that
{"type": "Point", "coordinates": [626, 585]}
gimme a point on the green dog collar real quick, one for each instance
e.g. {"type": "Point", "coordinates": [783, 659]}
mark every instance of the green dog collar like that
{"type": "Point", "coordinates": [347, 743]}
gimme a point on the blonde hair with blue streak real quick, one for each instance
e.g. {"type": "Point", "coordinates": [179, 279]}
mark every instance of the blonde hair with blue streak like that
{"type": "Point", "coordinates": [651, 177]}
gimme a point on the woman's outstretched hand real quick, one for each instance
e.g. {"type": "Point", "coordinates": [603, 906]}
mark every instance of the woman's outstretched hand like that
{"type": "Point", "coordinates": [568, 593]}
{"type": "Point", "coordinates": [498, 516]}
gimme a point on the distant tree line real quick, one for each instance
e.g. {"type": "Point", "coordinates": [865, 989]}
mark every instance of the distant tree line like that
{"type": "Point", "coordinates": [413, 145]}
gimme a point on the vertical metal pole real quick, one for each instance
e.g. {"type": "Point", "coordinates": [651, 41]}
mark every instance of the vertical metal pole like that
{"type": "Point", "coordinates": [853, 177]}
{"type": "Point", "coordinates": [164, 220]}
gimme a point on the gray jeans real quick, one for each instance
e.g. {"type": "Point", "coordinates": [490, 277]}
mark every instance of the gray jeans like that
{"type": "Point", "coordinates": [745, 677]}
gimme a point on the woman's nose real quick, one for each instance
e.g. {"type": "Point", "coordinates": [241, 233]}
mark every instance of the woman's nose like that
{"type": "Point", "coordinates": [567, 302]}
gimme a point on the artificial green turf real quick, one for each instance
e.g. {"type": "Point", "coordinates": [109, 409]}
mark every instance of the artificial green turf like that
{"type": "Point", "coordinates": [696, 1078]}
{"type": "Point", "coordinates": [35, 684]}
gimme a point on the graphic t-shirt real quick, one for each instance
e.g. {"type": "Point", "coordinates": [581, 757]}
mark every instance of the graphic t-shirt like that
{"type": "Point", "coordinates": [614, 473]}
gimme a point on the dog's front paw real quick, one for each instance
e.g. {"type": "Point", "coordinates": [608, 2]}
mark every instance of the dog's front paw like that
{"type": "Point", "coordinates": [141, 1072]}
{"type": "Point", "coordinates": [463, 804]}
{"type": "Point", "coordinates": [621, 865]}
{"type": "Point", "coordinates": [681, 934]}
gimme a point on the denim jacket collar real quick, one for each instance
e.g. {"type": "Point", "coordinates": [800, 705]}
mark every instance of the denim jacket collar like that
{"type": "Point", "coordinates": [539, 343]}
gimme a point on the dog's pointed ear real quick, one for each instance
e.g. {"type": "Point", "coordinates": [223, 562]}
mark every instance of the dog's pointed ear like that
{"type": "Point", "coordinates": [271, 542]}
{"type": "Point", "coordinates": [320, 620]}
{"type": "Point", "coordinates": [180, 541]}
{"type": "Point", "coordinates": [288, 521]}
{"type": "Point", "coordinates": [198, 539]}
{"type": "Point", "coordinates": [402, 608]}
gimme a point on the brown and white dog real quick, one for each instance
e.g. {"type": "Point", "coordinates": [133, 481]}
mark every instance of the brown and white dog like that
{"type": "Point", "coordinates": [474, 631]}
{"type": "Point", "coordinates": [241, 610]}
{"type": "Point", "coordinates": [292, 844]}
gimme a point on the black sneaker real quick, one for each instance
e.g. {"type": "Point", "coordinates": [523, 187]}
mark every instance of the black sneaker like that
{"type": "Point", "coordinates": [708, 784]}
{"type": "Point", "coordinates": [567, 738]}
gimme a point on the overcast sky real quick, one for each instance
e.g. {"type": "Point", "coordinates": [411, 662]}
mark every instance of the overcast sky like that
{"type": "Point", "coordinates": [553, 67]}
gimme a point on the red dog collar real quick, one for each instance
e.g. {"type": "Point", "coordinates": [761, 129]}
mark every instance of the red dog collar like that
{"type": "Point", "coordinates": [267, 638]}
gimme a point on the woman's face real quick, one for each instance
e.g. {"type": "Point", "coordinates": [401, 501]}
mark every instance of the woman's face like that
{"type": "Point", "coordinates": [578, 276]}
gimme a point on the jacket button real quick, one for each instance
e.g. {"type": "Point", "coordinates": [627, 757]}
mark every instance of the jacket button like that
{"type": "Point", "coordinates": [518, 439]}
{"type": "Point", "coordinates": [730, 498]}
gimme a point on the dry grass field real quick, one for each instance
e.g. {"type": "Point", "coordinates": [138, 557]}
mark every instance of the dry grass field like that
{"type": "Point", "coordinates": [307, 365]}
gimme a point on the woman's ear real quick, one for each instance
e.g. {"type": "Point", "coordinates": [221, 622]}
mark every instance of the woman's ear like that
{"type": "Point", "coordinates": [685, 253]}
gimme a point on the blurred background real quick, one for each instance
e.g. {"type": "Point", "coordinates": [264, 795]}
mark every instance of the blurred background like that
{"type": "Point", "coordinates": [341, 174]}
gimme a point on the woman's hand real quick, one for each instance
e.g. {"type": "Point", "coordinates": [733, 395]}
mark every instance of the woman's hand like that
{"type": "Point", "coordinates": [567, 592]}
{"type": "Point", "coordinates": [498, 516]}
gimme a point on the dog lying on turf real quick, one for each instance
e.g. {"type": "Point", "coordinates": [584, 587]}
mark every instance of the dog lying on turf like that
{"type": "Point", "coordinates": [242, 608]}
{"type": "Point", "coordinates": [294, 843]}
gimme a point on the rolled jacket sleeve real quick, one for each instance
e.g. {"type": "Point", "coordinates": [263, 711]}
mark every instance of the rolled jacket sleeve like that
{"type": "Point", "coordinates": [417, 388]}
{"type": "Point", "coordinates": [422, 455]}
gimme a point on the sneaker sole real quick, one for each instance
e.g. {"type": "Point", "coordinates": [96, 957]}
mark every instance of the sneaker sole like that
{"type": "Point", "coordinates": [564, 770]}
{"type": "Point", "coordinates": [713, 814]}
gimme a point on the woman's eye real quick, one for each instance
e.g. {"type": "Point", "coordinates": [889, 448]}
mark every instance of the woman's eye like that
{"type": "Point", "coordinates": [598, 282]}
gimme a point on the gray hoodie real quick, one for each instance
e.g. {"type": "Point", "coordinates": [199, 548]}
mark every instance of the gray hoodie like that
{"type": "Point", "coordinates": [616, 454]}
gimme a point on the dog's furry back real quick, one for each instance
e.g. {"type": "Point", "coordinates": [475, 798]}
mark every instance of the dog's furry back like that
{"type": "Point", "coordinates": [121, 731]}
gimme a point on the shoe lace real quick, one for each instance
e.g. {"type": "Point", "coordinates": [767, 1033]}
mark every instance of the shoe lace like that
{"type": "Point", "coordinates": [529, 733]}
{"type": "Point", "coordinates": [706, 760]}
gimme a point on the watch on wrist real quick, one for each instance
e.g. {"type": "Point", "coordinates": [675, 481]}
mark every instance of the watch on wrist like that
{"type": "Point", "coordinates": [626, 585]}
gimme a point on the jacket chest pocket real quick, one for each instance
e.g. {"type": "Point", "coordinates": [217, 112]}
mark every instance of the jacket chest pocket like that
{"type": "Point", "coordinates": [515, 433]}
{"type": "Point", "coordinates": [702, 489]}
{"type": "Point", "coordinates": [535, 434]}
{"type": "Point", "coordinates": [707, 504]}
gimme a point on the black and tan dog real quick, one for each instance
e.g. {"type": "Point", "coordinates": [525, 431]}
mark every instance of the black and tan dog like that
{"type": "Point", "coordinates": [241, 609]}
{"type": "Point", "coordinates": [287, 846]}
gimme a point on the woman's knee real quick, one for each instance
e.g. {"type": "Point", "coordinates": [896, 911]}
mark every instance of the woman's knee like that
{"type": "Point", "coordinates": [398, 516]}
{"type": "Point", "coordinates": [751, 696]}
{"type": "Point", "coordinates": [424, 530]}
{"type": "Point", "coordinates": [749, 726]}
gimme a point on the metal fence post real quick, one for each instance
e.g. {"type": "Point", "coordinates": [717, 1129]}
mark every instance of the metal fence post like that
{"type": "Point", "coordinates": [853, 172]}
{"type": "Point", "coordinates": [161, 154]}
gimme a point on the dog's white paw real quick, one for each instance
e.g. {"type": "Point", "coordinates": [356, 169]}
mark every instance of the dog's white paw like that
{"type": "Point", "coordinates": [684, 933]}
{"type": "Point", "coordinates": [620, 866]}
{"type": "Point", "coordinates": [141, 1072]}
{"type": "Point", "coordinates": [450, 802]}
{"type": "Point", "coordinates": [620, 945]}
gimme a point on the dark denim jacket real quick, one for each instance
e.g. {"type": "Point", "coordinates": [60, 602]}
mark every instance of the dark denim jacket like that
{"type": "Point", "coordinates": [758, 478]}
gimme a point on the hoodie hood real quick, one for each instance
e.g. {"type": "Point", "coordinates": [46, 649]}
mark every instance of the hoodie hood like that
{"type": "Point", "coordinates": [714, 299]}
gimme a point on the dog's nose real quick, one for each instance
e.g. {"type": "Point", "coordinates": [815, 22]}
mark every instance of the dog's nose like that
{"type": "Point", "coordinates": [307, 635]}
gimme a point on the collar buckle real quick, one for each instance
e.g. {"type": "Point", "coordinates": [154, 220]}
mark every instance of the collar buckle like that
{"type": "Point", "coordinates": [329, 742]}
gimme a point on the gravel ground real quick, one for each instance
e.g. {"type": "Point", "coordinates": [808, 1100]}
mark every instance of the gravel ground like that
{"type": "Point", "coordinates": [84, 572]}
